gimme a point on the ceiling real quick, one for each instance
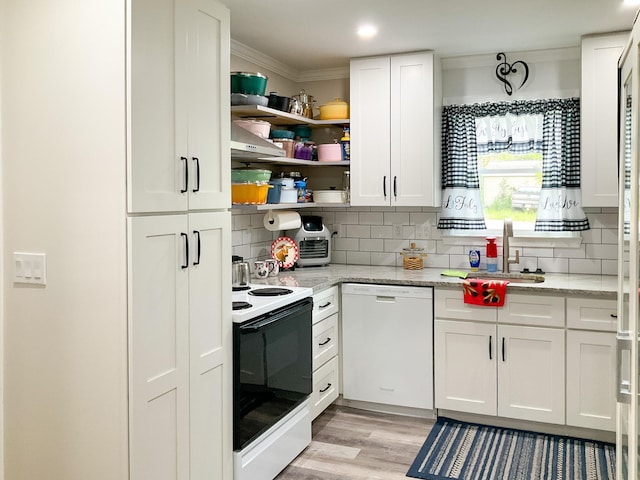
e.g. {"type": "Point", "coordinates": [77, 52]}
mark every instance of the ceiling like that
{"type": "Point", "coordinates": [321, 34]}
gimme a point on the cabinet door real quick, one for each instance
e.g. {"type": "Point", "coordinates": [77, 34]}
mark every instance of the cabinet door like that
{"type": "Point", "coordinates": [413, 136]}
{"type": "Point", "coordinates": [599, 119]}
{"type": "Point", "coordinates": [209, 116]}
{"type": "Point", "coordinates": [465, 366]}
{"type": "Point", "coordinates": [370, 131]}
{"type": "Point", "coordinates": [591, 373]}
{"type": "Point", "coordinates": [178, 106]}
{"type": "Point", "coordinates": [210, 330]}
{"type": "Point", "coordinates": [158, 348]}
{"type": "Point", "coordinates": [531, 374]}
{"type": "Point", "coordinates": [157, 150]}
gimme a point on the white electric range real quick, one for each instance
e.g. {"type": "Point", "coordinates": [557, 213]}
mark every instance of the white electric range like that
{"type": "Point", "coordinates": [259, 299]}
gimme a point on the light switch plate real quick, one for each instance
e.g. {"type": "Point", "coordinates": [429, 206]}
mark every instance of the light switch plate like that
{"type": "Point", "coordinates": [30, 268]}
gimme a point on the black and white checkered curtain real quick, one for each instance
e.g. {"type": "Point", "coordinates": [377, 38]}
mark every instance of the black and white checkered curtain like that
{"type": "Point", "coordinates": [461, 203]}
{"type": "Point", "coordinates": [560, 206]}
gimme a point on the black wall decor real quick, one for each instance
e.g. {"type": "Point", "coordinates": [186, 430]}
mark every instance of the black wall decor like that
{"type": "Point", "coordinates": [505, 69]}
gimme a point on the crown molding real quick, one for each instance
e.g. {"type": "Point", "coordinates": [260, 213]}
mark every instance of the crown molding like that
{"type": "Point", "coordinates": [261, 60]}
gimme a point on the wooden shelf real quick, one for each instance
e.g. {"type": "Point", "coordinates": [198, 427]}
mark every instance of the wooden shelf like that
{"type": "Point", "coordinates": [289, 206]}
{"type": "Point", "coordinates": [279, 117]}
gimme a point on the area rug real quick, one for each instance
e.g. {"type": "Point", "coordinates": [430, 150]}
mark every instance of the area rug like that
{"type": "Point", "coordinates": [467, 451]}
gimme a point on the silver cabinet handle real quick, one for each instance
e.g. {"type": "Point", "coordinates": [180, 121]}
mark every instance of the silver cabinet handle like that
{"type": "Point", "coordinates": [623, 387]}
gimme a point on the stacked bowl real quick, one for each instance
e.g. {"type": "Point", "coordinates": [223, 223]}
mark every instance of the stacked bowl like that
{"type": "Point", "coordinates": [249, 186]}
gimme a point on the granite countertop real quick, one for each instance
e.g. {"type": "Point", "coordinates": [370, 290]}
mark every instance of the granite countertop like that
{"type": "Point", "coordinates": [319, 278]}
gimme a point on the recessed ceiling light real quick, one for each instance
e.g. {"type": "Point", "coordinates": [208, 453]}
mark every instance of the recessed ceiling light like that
{"type": "Point", "coordinates": [368, 31]}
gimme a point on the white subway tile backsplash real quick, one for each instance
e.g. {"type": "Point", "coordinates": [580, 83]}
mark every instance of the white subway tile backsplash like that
{"type": "Point", "coordinates": [608, 252]}
{"type": "Point", "coordinates": [358, 258]}
{"type": "Point", "coordinates": [585, 265]}
{"type": "Point", "coordinates": [376, 235]}
{"type": "Point", "coordinates": [339, 257]}
{"type": "Point", "coordinates": [593, 235]}
{"type": "Point", "coordinates": [372, 245]}
{"type": "Point", "coordinates": [384, 259]}
{"type": "Point", "coordinates": [370, 218]}
{"type": "Point", "coordinates": [609, 267]}
{"type": "Point", "coordinates": [359, 231]}
{"type": "Point", "coordinates": [381, 231]}
{"type": "Point", "coordinates": [553, 265]}
{"type": "Point", "coordinates": [342, 243]}
{"type": "Point", "coordinates": [603, 220]}
{"type": "Point", "coordinates": [609, 236]}
{"type": "Point", "coordinates": [437, 261]}
{"type": "Point", "coordinates": [347, 217]}
{"type": "Point", "coordinates": [396, 218]}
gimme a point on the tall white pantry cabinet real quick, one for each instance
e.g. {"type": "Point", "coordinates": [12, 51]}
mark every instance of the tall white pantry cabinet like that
{"type": "Point", "coordinates": [179, 239]}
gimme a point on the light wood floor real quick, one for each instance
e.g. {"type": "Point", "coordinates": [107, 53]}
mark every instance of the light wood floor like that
{"type": "Point", "coordinates": [349, 443]}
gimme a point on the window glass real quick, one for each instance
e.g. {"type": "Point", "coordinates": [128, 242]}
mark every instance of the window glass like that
{"type": "Point", "coordinates": [510, 188]}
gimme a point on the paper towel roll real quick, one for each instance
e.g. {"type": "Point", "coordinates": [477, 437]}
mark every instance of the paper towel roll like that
{"type": "Point", "coordinates": [282, 220]}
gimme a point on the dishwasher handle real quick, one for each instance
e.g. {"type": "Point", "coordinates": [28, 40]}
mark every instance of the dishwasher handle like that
{"type": "Point", "coordinates": [385, 299]}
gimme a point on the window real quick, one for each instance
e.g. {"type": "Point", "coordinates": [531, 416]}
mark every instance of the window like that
{"type": "Point", "coordinates": [510, 186]}
{"type": "Point", "coordinates": [518, 160]}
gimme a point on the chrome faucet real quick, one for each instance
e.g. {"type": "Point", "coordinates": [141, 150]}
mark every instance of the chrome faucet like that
{"type": "Point", "coordinates": [507, 233]}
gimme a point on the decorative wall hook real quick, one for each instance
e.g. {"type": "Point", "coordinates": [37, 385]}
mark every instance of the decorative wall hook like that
{"type": "Point", "coordinates": [504, 69]}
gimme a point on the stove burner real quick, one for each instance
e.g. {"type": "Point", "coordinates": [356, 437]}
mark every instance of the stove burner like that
{"type": "Point", "coordinates": [240, 289]}
{"type": "Point", "coordinates": [241, 305]}
{"type": "Point", "coordinates": [270, 292]}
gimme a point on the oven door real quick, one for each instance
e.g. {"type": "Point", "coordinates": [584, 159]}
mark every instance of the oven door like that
{"type": "Point", "coordinates": [272, 370]}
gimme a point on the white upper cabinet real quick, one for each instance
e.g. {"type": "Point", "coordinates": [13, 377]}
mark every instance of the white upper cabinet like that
{"type": "Point", "coordinates": [178, 106]}
{"type": "Point", "coordinates": [395, 130]}
{"type": "Point", "coordinates": [599, 122]}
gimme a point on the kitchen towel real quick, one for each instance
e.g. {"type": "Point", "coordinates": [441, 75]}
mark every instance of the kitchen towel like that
{"type": "Point", "coordinates": [282, 220]}
{"type": "Point", "coordinates": [490, 293]}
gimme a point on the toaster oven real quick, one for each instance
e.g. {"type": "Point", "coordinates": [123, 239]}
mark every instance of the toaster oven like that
{"type": "Point", "coordinates": [314, 242]}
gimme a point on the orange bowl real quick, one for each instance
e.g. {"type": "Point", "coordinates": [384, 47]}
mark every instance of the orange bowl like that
{"type": "Point", "coordinates": [249, 193]}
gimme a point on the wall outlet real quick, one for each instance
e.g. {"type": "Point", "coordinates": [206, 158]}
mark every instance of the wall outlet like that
{"type": "Point", "coordinates": [30, 268]}
{"type": "Point", "coordinates": [339, 230]}
{"type": "Point", "coordinates": [397, 231]}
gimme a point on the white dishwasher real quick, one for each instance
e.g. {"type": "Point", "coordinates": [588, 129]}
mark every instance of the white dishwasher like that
{"type": "Point", "coordinates": [387, 344]}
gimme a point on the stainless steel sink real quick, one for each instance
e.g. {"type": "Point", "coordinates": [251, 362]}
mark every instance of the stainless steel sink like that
{"type": "Point", "coordinates": [512, 277]}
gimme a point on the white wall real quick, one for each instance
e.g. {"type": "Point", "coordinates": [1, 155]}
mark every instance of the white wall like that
{"type": "Point", "coordinates": [63, 171]}
{"type": "Point", "coordinates": [2, 273]}
{"type": "Point", "coordinates": [552, 74]}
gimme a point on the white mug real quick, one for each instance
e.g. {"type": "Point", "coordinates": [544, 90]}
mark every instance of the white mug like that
{"type": "Point", "coordinates": [261, 269]}
{"type": "Point", "coordinates": [274, 267]}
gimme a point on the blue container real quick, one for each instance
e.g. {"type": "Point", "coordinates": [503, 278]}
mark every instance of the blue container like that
{"type": "Point", "coordinates": [273, 196]}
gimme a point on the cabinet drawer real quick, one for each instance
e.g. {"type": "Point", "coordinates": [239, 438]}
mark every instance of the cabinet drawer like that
{"type": "Point", "coordinates": [325, 387]}
{"type": "Point", "coordinates": [325, 340]}
{"type": "Point", "coordinates": [449, 304]}
{"type": "Point", "coordinates": [325, 303]}
{"type": "Point", "coordinates": [592, 314]}
{"type": "Point", "coordinates": [536, 310]}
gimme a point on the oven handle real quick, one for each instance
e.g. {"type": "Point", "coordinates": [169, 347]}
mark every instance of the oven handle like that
{"type": "Point", "coordinates": [264, 322]}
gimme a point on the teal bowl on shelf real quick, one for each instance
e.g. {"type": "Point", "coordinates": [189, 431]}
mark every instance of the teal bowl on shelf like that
{"type": "Point", "coordinates": [248, 83]}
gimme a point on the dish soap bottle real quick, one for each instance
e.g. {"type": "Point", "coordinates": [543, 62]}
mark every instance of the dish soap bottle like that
{"type": "Point", "coordinates": [492, 255]}
{"type": "Point", "coordinates": [345, 141]}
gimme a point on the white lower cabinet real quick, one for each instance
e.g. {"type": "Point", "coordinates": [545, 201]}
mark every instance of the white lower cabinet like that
{"type": "Point", "coordinates": [465, 373]}
{"type": "Point", "coordinates": [504, 370]}
{"type": "Point", "coordinates": [486, 367]}
{"type": "Point", "coordinates": [180, 346]}
{"type": "Point", "coordinates": [530, 374]}
{"type": "Point", "coordinates": [325, 348]}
